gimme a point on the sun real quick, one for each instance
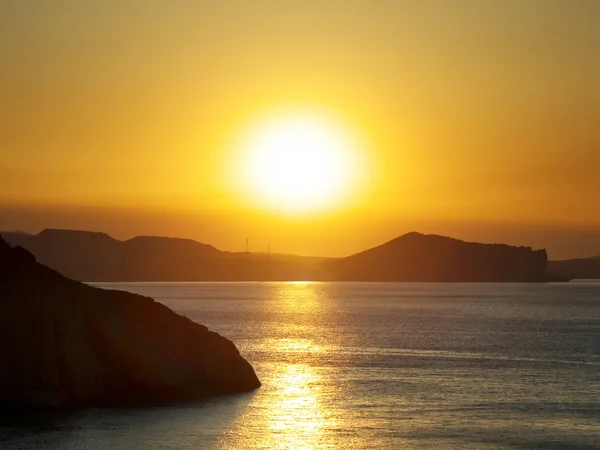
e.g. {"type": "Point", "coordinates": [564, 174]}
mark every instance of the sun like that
{"type": "Point", "coordinates": [298, 162]}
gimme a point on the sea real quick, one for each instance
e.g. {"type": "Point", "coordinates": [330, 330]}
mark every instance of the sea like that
{"type": "Point", "coordinates": [372, 366]}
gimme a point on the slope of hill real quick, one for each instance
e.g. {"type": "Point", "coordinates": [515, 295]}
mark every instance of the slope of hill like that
{"type": "Point", "coordinates": [418, 257]}
{"type": "Point", "coordinates": [584, 268]}
{"type": "Point", "coordinates": [92, 256]}
{"type": "Point", "coordinates": [66, 344]}
{"type": "Point", "coordinates": [89, 256]}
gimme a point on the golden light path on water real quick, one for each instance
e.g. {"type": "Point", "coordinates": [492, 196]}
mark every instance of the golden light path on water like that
{"type": "Point", "coordinates": [291, 406]}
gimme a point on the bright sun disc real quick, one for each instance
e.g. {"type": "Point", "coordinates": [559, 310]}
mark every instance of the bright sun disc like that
{"type": "Point", "coordinates": [297, 163]}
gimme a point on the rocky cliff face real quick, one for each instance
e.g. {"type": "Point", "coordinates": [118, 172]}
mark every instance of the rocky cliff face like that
{"type": "Point", "coordinates": [66, 344]}
{"type": "Point", "coordinates": [419, 257]}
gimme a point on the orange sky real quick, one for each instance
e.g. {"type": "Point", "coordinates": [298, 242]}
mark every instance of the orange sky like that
{"type": "Point", "coordinates": [479, 119]}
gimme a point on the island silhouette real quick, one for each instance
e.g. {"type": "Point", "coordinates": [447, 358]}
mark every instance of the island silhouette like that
{"type": "Point", "coordinates": [94, 256]}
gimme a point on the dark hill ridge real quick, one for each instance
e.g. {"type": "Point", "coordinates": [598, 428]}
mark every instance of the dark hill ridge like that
{"type": "Point", "coordinates": [88, 256]}
{"type": "Point", "coordinates": [419, 257]}
{"type": "Point", "coordinates": [91, 256]}
{"type": "Point", "coordinates": [65, 344]}
{"type": "Point", "coordinates": [173, 245]}
{"type": "Point", "coordinates": [583, 268]}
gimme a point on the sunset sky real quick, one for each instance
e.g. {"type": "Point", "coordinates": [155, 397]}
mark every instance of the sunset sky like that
{"type": "Point", "coordinates": [474, 119]}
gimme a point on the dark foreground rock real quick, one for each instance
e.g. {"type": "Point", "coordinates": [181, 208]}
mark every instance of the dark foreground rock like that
{"type": "Point", "coordinates": [65, 344]}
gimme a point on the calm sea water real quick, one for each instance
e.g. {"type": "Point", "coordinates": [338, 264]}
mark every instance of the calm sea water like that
{"type": "Point", "coordinates": [374, 365]}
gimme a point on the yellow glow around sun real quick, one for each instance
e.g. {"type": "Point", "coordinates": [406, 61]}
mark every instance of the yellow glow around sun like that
{"type": "Point", "coordinates": [298, 162]}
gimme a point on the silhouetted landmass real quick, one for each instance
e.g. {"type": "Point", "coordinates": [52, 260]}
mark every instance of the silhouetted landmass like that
{"type": "Point", "coordinates": [584, 268]}
{"type": "Point", "coordinates": [88, 256]}
{"type": "Point", "coordinates": [91, 256]}
{"type": "Point", "coordinates": [418, 257]}
{"type": "Point", "coordinates": [65, 344]}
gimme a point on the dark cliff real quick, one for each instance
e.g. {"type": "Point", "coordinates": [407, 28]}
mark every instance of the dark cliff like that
{"type": "Point", "coordinates": [418, 257]}
{"type": "Point", "coordinates": [66, 344]}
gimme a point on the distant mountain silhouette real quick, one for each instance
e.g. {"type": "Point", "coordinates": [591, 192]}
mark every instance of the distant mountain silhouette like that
{"type": "Point", "coordinates": [90, 256]}
{"type": "Point", "coordinates": [419, 257]}
{"type": "Point", "coordinates": [93, 256]}
{"type": "Point", "coordinates": [65, 344]}
{"type": "Point", "coordinates": [583, 268]}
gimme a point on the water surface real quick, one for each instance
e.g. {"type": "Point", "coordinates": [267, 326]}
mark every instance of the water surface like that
{"type": "Point", "coordinates": [374, 365]}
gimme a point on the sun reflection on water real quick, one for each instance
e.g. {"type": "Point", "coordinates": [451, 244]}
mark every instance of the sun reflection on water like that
{"type": "Point", "coordinates": [288, 412]}
{"type": "Point", "coordinates": [291, 407]}
{"type": "Point", "coordinates": [296, 418]}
